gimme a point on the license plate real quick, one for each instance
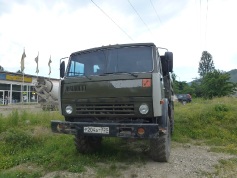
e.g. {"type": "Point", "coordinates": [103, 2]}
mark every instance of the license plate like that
{"type": "Point", "coordinates": [99, 130]}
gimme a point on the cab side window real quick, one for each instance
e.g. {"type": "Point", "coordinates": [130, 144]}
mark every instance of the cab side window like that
{"type": "Point", "coordinates": [76, 69]}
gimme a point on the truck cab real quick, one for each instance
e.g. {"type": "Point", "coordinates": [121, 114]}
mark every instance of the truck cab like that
{"type": "Point", "coordinates": [118, 91]}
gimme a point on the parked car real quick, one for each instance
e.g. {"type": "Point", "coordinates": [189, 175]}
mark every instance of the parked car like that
{"type": "Point", "coordinates": [184, 98]}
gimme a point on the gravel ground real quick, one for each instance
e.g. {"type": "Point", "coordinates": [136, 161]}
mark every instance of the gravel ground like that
{"type": "Point", "coordinates": [186, 161]}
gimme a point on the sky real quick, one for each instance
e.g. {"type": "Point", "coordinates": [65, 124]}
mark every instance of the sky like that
{"type": "Point", "coordinates": [57, 28]}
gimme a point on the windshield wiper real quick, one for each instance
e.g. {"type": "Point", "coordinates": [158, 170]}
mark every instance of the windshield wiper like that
{"type": "Point", "coordinates": [106, 73]}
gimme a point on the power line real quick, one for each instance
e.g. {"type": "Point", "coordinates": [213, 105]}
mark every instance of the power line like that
{"type": "Point", "coordinates": [206, 26]}
{"type": "Point", "coordinates": [139, 16]}
{"type": "Point", "coordinates": [200, 5]}
{"type": "Point", "coordinates": [112, 21]}
{"type": "Point", "coordinates": [155, 11]}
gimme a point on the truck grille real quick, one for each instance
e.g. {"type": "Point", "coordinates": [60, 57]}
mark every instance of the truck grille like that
{"type": "Point", "coordinates": [105, 109]}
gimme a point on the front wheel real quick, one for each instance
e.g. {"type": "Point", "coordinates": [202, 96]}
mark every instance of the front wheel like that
{"type": "Point", "coordinates": [87, 144]}
{"type": "Point", "coordinates": [160, 147]}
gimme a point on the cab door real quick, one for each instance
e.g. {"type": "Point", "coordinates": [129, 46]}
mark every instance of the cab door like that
{"type": "Point", "coordinates": [157, 86]}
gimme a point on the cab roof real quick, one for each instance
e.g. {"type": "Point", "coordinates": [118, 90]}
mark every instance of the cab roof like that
{"type": "Point", "coordinates": [113, 46]}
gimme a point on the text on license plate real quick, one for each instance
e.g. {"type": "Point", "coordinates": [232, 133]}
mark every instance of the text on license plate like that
{"type": "Point", "coordinates": [102, 130]}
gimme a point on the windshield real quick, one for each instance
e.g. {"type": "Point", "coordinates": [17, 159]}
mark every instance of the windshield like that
{"type": "Point", "coordinates": [115, 60]}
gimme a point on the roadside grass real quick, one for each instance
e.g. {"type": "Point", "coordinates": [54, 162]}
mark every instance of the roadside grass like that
{"type": "Point", "coordinates": [28, 148]}
{"type": "Point", "coordinates": [214, 122]}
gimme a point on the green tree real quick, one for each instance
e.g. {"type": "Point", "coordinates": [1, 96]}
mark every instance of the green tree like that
{"type": "Point", "coordinates": [206, 64]}
{"type": "Point", "coordinates": [197, 89]}
{"type": "Point", "coordinates": [181, 87]}
{"type": "Point", "coordinates": [216, 84]}
{"type": "Point", "coordinates": [173, 76]}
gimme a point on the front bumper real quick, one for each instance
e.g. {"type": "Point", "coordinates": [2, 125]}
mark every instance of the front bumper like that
{"type": "Point", "coordinates": [124, 130]}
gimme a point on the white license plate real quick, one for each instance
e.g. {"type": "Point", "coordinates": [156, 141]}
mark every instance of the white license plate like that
{"type": "Point", "coordinates": [99, 130]}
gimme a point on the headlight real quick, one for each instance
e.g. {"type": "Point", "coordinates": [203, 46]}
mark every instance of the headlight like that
{"type": "Point", "coordinates": [144, 109]}
{"type": "Point", "coordinates": [68, 109]}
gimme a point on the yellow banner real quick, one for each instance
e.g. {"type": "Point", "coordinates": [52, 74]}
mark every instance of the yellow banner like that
{"type": "Point", "coordinates": [18, 78]}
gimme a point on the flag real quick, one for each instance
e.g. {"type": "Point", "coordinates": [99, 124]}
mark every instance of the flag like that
{"type": "Point", "coordinates": [22, 61]}
{"type": "Point", "coordinates": [49, 65]}
{"type": "Point", "coordinates": [36, 60]}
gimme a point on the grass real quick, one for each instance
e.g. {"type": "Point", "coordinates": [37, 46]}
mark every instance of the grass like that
{"type": "Point", "coordinates": [213, 121]}
{"type": "Point", "coordinates": [28, 148]}
{"type": "Point", "coordinates": [26, 139]}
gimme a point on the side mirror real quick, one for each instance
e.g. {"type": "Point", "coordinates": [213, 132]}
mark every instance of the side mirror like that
{"type": "Point", "coordinates": [169, 59]}
{"type": "Point", "coordinates": [62, 69]}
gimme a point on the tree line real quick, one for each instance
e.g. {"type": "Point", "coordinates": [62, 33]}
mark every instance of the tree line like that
{"type": "Point", "coordinates": [211, 82]}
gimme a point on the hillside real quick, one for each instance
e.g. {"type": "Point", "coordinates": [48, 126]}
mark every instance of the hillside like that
{"type": "Point", "coordinates": [233, 75]}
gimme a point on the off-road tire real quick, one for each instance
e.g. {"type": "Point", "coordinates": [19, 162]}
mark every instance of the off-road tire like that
{"type": "Point", "coordinates": [160, 147]}
{"type": "Point", "coordinates": [87, 144]}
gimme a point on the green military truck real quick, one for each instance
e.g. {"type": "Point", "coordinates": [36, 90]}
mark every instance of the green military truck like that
{"type": "Point", "coordinates": [120, 91]}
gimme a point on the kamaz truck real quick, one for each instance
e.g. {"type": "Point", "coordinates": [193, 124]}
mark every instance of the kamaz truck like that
{"type": "Point", "coordinates": [123, 91]}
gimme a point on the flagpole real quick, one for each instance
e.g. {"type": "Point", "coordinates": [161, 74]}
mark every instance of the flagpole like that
{"type": "Point", "coordinates": [49, 76]}
{"type": "Point", "coordinates": [37, 61]}
{"type": "Point", "coordinates": [22, 70]}
{"type": "Point", "coordinates": [23, 88]}
{"type": "Point", "coordinates": [49, 66]}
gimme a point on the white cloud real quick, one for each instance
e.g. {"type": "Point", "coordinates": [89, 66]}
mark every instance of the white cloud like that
{"type": "Point", "coordinates": [62, 27]}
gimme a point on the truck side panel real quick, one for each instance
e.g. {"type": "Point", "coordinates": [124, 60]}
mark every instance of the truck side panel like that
{"type": "Point", "coordinates": [59, 97]}
{"type": "Point", "coordinates": [156, 87]}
